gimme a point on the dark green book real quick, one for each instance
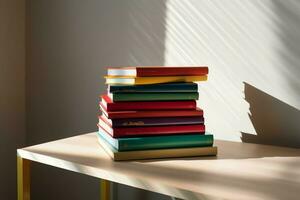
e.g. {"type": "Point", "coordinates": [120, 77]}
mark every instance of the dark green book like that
{"type": "Point", "coordinates": [166, 87]}
{"type": "Point", "coordinates": [176, 96]}
{"type": "Point", "coordinates": [158, 142]}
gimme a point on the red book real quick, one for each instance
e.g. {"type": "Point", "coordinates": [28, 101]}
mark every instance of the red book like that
{"type": "Point", "coordinates": [151, 130]}
{"type": "Point", "coordinates": [150, 113]}
{"type": "Point", "coordinates": [141, 71]}
{"type": "Point", "coordinates": [109, 105]}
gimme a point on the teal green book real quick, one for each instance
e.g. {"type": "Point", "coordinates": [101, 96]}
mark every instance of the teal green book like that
{"type": "Point", "coordinates": [165, 87]}
{"type": "Point", "coordinates": [158, 142]}
{"type": "Point", "coordinates": [156, 153]}
{"type": "Point", "coordinates": [154, 96]}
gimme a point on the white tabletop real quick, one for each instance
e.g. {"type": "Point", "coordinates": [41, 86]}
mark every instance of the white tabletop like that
{"type": "Point", "coordinates": [240, 171]}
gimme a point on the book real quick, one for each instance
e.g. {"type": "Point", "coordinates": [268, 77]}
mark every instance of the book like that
{"type": "Point", "coordinates": [150, 113]}
{"type": "Point", "coordinates": [164, 87]}
{"type": "Point", "coordinates": [126, 80]}
{"type": "Point", "coordinates": [109, 105]}
{"type": "Point", "coordinates": [153, 121]}
{"type": "Point", "coordinates": [141, 71]}
{"type": "Point", "coordinates": [150, 130]}
{"type": "Point", "coordinates": [176, 96]}
{"type": "Point", "coordinates": [156, 153]}
{"type": "Point", "coordinates": [158, 142]}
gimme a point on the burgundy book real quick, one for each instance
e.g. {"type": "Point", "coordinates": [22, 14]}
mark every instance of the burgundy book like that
{"type": "Point", "coordinates": [153, 121]}
{"type": "Point", "coordinates": [141, 71]}
{"type": "Point", "coordinates": [150, 113]}
{"type": "Point", "coordinates": [109, 105]}
{"type": "Point", "coordinates": [151, 130]}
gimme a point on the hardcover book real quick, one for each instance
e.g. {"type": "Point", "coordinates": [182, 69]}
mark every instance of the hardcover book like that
{"type": "Point", "coordinates": [164, 87]}
{"type": "Point", "coordinates": [141, 71]}
{"type": "Point", "coordinates": [109, 105]}
{"type": "Point", "coordinates": [157, 142]}
{"type": "Point", "coordinates": [153, 121]}
{"type": "Point", "coordinates": [150, 113]}
{"type": "Point", "coordinates": [126, 80]}
{"type": "Point", "coordinates": [115, 97]}
{"type": "Point", "coordinates": [151, 130]}
{"type": "Point", "coordinates": [156, 153]}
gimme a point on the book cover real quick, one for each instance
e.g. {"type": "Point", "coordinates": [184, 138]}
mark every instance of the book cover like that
{"type": "Point", "coordinates": [126, 80]}
{"type": "Point", "coordinates": [157, 142]}
{"type": "Point", "coordinates": [153, 96]}
{"type": "Point", "coordinates": [151, 130]}
{"type": "Point", "coordinates": [153, 121]}
{"type": "Point", "coordinates": [109, 105]}
{"type": "Point", "coordinates": [150, 113]}
{"type": "Point", "coordinates": [164, 87]}
{"type": "Point", "coordinates": [141, 71]}
{"type": "Point", "coordinates": [156, 153]}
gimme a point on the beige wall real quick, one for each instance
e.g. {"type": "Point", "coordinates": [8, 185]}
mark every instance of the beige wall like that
{"type": "Point", "coordinates": [12, 91]}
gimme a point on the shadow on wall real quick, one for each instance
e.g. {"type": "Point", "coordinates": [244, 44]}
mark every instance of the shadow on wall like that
{"type": "Point", "coordinates": [275, 122]}
{"type": "Point", "coordinates": [70, 44]}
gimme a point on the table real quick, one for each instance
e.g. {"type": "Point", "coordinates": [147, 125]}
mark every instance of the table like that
{"type": "Point", "coordinates": [240, 171]}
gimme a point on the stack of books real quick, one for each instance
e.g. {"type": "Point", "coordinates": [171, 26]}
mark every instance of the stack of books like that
{"type": "Point", "coordinates": [151, 112]}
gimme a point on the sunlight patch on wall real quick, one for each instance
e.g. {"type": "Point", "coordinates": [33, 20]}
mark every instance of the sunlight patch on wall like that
{"type": "Point", "coordinates": [239, 42]}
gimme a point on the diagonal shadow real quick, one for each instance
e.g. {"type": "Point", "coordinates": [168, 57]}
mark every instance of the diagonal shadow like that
{"type": "Point", "coordinates": [275, 122]}
{"type": "Point", "coordinates": [69, 45]}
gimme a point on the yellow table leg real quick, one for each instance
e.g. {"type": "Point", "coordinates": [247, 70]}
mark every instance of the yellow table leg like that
{"type": "Point", "coordinates": [105, 189]}
{"type": "Point", "coordinates": [23, 173]}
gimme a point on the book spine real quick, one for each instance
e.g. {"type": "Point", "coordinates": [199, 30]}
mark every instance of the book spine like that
{"type": "Point", "coordinates": [163, 142]}
{"type": "Point", "coordinates": [157, 121]}
{"type": "Point", "coordinates": [160, 80]}
{"type": "Point", "coordinates": [157, 130]}
{"type": "Point", "coordinates": [154, 96]}
{"type": "Point", "coordinates": [165, 153]}
{"type": "Point", "coordinates": [150, 130]}
{"type": "Point", "coordinates": [143, 105]}
{"type": "Point", "coordinates": [171, 87]}
{"type": "Point", "coordinates": [157, 142]}
{"type": "Point", "coordinates": [172, 71]}
{"type": "Point", "coordinates": [150, 113]}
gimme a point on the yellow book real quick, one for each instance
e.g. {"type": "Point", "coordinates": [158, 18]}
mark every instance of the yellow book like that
{"type": "Point", "coordinates": [156, 153]}
{"type": "Point", "coordinates": [127, 80]}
